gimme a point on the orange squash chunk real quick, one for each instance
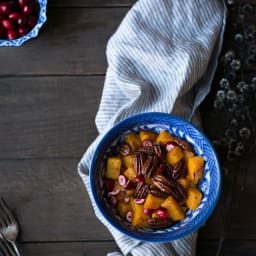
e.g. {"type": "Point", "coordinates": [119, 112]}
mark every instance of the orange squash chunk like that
{"type": "Point", "coordinates": [184, 182]}
{"type": "Point", "coordinates": [164, 137]}
{"type": "Point", "coordinates": [128, 161]}
{"type": "Point", "coordinates": [130, 173]}
{"type": "Point", "coordinates": [113, 167]}
{"type": "Point", "coordinates": [152, 202]}
{"type": "Point", "coordinates": [139, 219]}
{"type": "Point", "coordinates": [175, 155]}
{"type": "Point", "coordinates": [195, 168]}
{"type": "Point", "coordinates": [133, 140]}
{"type": "Point", "coordinates": [194, 198]}
{"type": "Point", "coordinates": [175, 211]}
{"type": "Point", "coordinates": [147, 135]}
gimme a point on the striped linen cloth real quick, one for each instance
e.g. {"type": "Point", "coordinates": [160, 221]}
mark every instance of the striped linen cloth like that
{"type": "Point", "coordinates": [162, 58]}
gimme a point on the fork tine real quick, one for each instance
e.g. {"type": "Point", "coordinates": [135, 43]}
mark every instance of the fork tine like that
{"type": "Point", "coordinates": [7, 249]}
{"type": "Point", "coordinates": [6, 211]}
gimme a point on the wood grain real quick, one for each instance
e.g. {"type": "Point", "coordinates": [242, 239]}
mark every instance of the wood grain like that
{"type": "Point", "coordinates": [50, 201]}
{"type": "Point", "coordinates": [67, 249]}
{"type": "Point", "coordinates": [67, 46]}
{"type": "Point", "coordinates": [48, 116]}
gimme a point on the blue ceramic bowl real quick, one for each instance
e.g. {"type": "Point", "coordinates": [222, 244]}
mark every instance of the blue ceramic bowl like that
{"type": "Point", "coordinates": [32, 33]}
{"type": "Point", "coordinates": [209, 185]}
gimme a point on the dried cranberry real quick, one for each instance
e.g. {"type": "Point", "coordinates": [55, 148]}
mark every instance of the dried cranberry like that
{"type": "Point", "coordinates": [148, 211]}
{"type": "Point", "coordinates": [110, 184]}
{"type": "Point", "coordinates": [139, 178]}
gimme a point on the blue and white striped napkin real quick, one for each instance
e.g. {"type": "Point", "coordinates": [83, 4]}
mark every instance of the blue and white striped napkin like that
{"type": "Point", "coordinates": [162, 58]}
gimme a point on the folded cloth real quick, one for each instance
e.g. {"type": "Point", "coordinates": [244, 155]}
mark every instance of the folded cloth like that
{"type": "Point", "coordinates": [162, 58]}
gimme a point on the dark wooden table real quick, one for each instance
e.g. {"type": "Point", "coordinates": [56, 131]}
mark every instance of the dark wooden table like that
{"type": "Point", "coordinates": [49, 93]}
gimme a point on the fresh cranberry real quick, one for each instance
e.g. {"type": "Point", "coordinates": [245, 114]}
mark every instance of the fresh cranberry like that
{"type": "Point", "coordinates": [32, 20]}
{"type": "Point", "coordinates": [170, 146]}
{"type": "Point", "coordinates": [162, 213]}
{"type": "Point", "coordinates": [14, 15]}
{"type": "Point", "coordinates": [8, 24]}
{"type": "Point", "coordinates": [23, 31]}
{"type": "Point", "coordinates": [5, 7]}
{"type": "Point", "coordinates": [12, 34]}
{"type": "Point", "coordinates": [148, 211]}
{"type": "Point", "coordinates": [1, 17]}
{"type": "Point", "coordinates": [28, 9]}
{"type": "Point", "coordinates": [22, 3]}
{"type": "Point", "coordinates": [22, 20]}
{"type": "Point", "coordinates": [139, 178]}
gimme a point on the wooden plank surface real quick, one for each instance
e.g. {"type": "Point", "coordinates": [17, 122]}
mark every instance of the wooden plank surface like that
{"type": "Point", "coordinates": [50, 201]}
{"type": "Point", "coordinates": [68, 249]}
{"type": "Point", "coordinates": [72, 42]}
{"type": "Point", "coordinates": [47, 116]}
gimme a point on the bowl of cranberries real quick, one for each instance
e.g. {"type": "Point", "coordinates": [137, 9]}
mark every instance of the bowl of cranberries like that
{"type": "Point", "coordinates": [155, 177]}
{"type": "Point", "coordinates": [20, 20]}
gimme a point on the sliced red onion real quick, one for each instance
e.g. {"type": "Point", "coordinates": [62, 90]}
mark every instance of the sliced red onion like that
{"type": "Point", "coordinates": [122, 180]}
{"type": "Point", "coordinates": [128, 185]}
{"type": "Point", "coordinates": [129, 216]}
{"type": "Point", "coordinates": [113, 200]}
{"type": "Point", "coordinates": [114, 192]}
{"type": "Point", "coordinates": [139, 201]}
{"type": "Point", "coordinates": [147, 143]}
{"type": "Point", "coordinates": [127, 199]}
{"type": "Point", "coordinates": [169, 146]}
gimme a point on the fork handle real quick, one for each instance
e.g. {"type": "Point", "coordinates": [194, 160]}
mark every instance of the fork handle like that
{"type": "Point", "coordinates": [15, 247]}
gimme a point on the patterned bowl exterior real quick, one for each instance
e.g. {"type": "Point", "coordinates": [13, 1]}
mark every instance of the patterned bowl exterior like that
{"type": "Point", "coordinates": [34, 32]}
{"type": "Point", "coordinates": [210, 184]}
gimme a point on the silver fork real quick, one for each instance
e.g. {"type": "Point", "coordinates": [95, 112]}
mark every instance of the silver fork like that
{"type": "Point", "coordinates": [6, 249]}
{"type": "Point", "coordinates": [8, 225]}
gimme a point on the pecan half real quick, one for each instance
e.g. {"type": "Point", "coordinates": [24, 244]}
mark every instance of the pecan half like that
{"type": "Point", "coordinates": [178, 170]}
{"type": "Point", "coordinates": [150, 166]}
{"type": "Point", "coordinates": [124, 149]}
{"type": "Point", "coordinates": [159, 150]}
{"type": "Point", "coordinates": [138, 162]}
{"type": "Point", "coordinates": [156, 223]}
{"type": "Point", "coordinates": [149, 151]}
{"type": "Point", "coordinates": [183, 144]}
{"type": "Point", "coordinates": [141, 191]}
{"type": "Point", "coordinates": [155, 191]}
{"type": "Point", "coordinates": [179, 193]}
{"type": "Point", "coordinates": [163, 183]}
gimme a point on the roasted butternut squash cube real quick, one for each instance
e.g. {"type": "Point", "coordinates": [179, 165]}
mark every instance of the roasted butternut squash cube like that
{"type": "Point", "coordinates": [123, 208]}
{"type": "Point", "coordinates": [139, 219]}
{"type": "Point", "coordinates": [147, 135]}
{"type": "Point", "coordinates": [133, 140]}
{"type": "Point", "coordinates": [188, 154]}
{"type": "Point", "coordinates": [195, 168]}
{"type": "Point", "coordinates": [164, 137]}
{"type": "Point", "coordinates": [175, 155]}
{"type": "Point", "coordinates": [152, 202]}
{"type": "Point", "coordinates": [185, 182]}
{"type": "Point", "coordinates": [175, 211]}
{"type": "Point", "coordinates": [113, 167]}
{"type": "Point", "coordinates": [194, 198]}
{"type": "Point", "coordinates": [128, 161]}
{"type": "Point", "coordinates": [130, 173]}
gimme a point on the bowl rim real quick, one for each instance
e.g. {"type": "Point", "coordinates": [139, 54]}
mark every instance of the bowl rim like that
{"type": "Point", "coordinates": [42, 17]}
{"type": "Point", "coordinates": [190, 229]}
